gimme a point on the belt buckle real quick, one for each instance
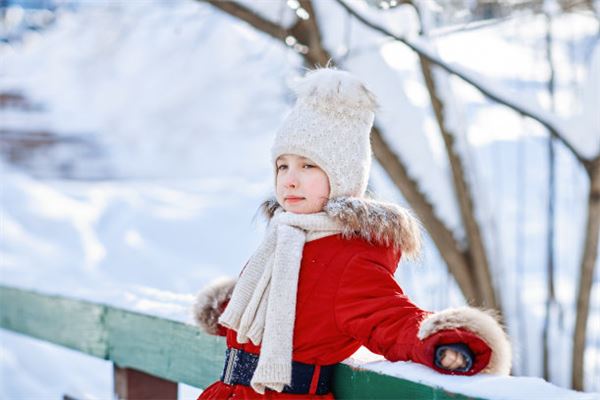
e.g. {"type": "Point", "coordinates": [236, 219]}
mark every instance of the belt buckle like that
{"type": "Point", "coordinates": [231, 360]}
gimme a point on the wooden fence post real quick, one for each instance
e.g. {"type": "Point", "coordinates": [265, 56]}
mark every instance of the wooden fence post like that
{"type": "Point", "coordinates": [131, 384]}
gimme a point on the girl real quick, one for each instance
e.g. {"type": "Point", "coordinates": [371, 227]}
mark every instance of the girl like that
{"type": "Point", "coordinates": [321, 283]}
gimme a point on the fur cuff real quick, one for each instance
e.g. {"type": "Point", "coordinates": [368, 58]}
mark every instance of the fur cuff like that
{"type": "Point", "coordinates": [482, 323]}
{"type": "Point", "coordinates": [209, 304]}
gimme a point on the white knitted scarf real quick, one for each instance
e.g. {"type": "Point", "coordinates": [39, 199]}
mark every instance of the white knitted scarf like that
{"type": "Point", "coordinates": [262, 307]}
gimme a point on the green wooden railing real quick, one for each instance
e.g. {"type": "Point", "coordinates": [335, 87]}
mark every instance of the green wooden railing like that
{"type": "Point", "coordinates": [164, 351]}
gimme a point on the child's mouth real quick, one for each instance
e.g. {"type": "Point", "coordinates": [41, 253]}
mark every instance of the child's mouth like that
{"type": "Point", "coordinates": [294, 199]}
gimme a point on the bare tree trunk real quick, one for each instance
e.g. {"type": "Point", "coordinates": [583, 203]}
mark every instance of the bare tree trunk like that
{"type": "Point", "coordinates": [477, 261]}
{"type": "Point", "coordinates": [550, 295]}
{"type": "Point", "coordinates": [522, 337]}
{"type": "Point", "coordinates": [588, 263]}
{"type": "Point", "coordinates": [449, 249]}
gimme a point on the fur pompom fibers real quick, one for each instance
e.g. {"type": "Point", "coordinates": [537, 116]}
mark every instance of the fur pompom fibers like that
{"type": "Point", "coordinates": [375, 221]}
{"type": "Point", "coordinates": [329, 87]}
{"type": "Point", "coordinates": [483, 323]}
{"type": "Point", "coordinates": [209, 302]}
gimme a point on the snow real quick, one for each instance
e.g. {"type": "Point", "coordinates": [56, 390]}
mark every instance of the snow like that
{"type": "Point", "coordinates": [92, 235]}
{"type": "Point", "coordinates": [485, 386]}
{"type": "Point", "coordinates": [181, 103]}
{"type": "Point", "coordinates": [584, 137]}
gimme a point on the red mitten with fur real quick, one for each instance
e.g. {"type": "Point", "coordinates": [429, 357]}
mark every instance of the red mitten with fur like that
{"type": "Point", "coordinates": [478, 329]}
{"type": "Point", "coordinates": [210, 304]}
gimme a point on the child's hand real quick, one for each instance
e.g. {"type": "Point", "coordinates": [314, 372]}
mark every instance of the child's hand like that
{"type": "Point", "coordinates": [453, 360]}
{"type": "Point", "coordinates": [455, 357]}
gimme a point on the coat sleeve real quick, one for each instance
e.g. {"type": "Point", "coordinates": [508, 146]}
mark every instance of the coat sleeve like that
{"type": "Point", "coordinates": [371, 307]}
{"type": "Point", "coordinates": [210, 304]}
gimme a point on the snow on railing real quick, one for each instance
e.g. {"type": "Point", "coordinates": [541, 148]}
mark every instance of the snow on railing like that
{"type": "Point", "coordinates": [151, 354]}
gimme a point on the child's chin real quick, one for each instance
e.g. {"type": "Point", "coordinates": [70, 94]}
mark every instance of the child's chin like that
{"type": "Point", "coordinates": [301, 209]}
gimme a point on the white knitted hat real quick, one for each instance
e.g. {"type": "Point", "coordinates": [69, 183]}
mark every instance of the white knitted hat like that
{"type": "Point", "coordinates": [331, 124]}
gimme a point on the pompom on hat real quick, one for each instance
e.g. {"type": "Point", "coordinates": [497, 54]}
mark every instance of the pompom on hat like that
{"type": "Point", "coordinates": [331, 123]}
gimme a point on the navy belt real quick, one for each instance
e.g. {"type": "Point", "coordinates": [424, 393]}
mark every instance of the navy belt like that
{"type": "Point", "coordinates": [240, 365]}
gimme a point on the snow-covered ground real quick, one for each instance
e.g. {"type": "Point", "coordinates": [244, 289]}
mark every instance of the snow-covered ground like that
{"type": "Point", "coordinates": [181, 103]}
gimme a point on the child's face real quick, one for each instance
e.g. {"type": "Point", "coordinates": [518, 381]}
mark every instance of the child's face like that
{"type": "Point", "coordinates": [302, 187]}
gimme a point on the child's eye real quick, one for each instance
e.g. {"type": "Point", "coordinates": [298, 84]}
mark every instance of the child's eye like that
{"type": "Point", "coordinates": [281, 167]}
{"type": "Point", "coordinates": [309, 165]}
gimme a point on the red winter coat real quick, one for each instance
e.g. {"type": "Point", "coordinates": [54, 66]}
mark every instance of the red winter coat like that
{"type": "Point", "coordinates": [348, 297]}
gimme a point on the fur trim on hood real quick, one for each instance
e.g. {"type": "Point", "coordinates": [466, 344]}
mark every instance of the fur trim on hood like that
{"type": "Point", "coordinates": [209, 304]}
{"type": "Point", "coordinates": [484, 323]}
{"type": "Point", "coordinates": [377, 222]}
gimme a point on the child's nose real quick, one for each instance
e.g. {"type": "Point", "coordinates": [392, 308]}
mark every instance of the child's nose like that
{"type": "Point", "coordinates": [291, 179]}
{"type": "Point", "coordinates": [292, 183]}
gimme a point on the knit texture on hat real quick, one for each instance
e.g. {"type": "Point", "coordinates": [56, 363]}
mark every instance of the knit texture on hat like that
{"type": "Point", "coordinates": [331, 124]}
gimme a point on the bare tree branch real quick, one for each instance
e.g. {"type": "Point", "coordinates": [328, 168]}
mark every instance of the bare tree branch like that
{"type": "Point", "coordinates": [308, 30]}
{"type": "Point", "coordinates": [554, 130]}
{"type": "Point", "coordinates": [245, 14]}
